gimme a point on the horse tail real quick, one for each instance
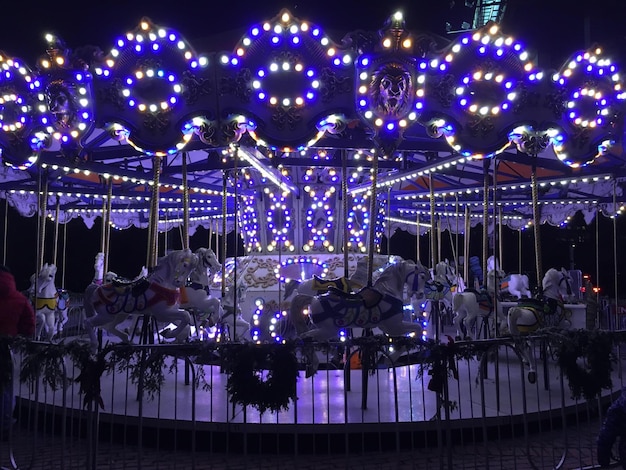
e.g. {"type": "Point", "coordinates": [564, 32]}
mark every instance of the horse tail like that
{"type": "Point", "coordinates": [296, 314]}
{"type": "Point", "coordinates": [88, 307]}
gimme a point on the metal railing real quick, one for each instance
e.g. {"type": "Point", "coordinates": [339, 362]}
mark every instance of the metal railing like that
{"type": "Point", "coordinates": [461, 405]}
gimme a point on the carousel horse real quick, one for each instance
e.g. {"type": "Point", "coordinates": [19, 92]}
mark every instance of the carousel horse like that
{"type": "Point", "coordinates": [318, 285]}
{"type": "Point", "coordinates": [100, 278]}
{"type": "Point", "coordinates": [548, 310]}
{"type": "Point", "coordinates": [307, 289]}
{"type": "Point", "coordinates": [514, 286]}
{"type": "Point", "coordinates": [556, 290]}
{"type": "Point", "coordinates": [473, 304]}
{"type": "Point", "coordinates": [195, 296]}
{"type": "Point", "coordinates": [452, 284]}
{"type": "Point", "coordinates": [157, 295]}
{"type": "Point", "coordinates": [379, 306]}
{"type": "Point", "coordinates": [510, 286]}
{"type": "Point", "coordinates": [51, 304]}
{"type": "Point", "coordinates": [231, 315]}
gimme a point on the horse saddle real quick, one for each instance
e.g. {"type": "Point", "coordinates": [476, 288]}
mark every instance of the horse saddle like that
{"type": "Point", "coordinates": [547, 306]}
{"type": "Point", "coordinates": [436, 290]}
{"type": "Point", "coordinates": [323, 285]}
{"type": "Point", "coordinates": [198, 286]}
{"type": "Point", "coordinates": [485, 302]}
{"type": "Point", "coordinates": [136, 287]}
{"type": "Point", "coordinates": [367, 296]}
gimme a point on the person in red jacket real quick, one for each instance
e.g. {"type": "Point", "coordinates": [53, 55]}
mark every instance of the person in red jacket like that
{"type": "Point", "coordinates": [17, 317]}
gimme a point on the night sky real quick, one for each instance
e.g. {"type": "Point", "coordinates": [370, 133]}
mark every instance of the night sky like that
{"type": "Point", "coordinates": [553, 29]}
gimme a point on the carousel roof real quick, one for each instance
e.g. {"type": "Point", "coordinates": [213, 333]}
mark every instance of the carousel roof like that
{"type": "Point", "coordinates": [289, 127]}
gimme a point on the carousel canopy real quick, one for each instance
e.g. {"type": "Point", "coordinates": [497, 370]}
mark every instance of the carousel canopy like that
{"type": "Point", "coordinates": [290, 132]}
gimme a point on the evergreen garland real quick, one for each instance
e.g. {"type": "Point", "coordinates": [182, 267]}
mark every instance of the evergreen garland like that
{"type": "Point", "coordinates": [264, 376]}
{"type": "Point", "coordinates": [245, 365]}
{"type": "Point", "coordinates": [586, 358]}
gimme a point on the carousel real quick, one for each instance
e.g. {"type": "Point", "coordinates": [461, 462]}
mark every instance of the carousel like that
{"type": "Point", "coordinates": [312, 151]}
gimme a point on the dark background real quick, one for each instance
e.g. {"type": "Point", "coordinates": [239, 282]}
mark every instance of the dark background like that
{"type": "Point", "coordinates": [553, 29]}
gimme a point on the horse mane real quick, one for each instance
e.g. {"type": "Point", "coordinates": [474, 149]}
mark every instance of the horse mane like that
{"type": "Point", "coordinates": [549, 278]}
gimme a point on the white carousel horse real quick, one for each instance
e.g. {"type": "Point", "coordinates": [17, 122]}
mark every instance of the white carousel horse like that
{"type": "Point", "coordinates": [557, 289]}
{"type": "Point", "coordinates": [509, 285]}
{"type": "Point", "coordinates": [532, 314]}
{"type": "Point", "coordinates": [452, 284]}
{"type": "Point", "coordinates": [473, 304]}
{"type": "Point", "coordinates": [307, 289]}
{"type": "Point", "coordinates": [514, 286]}
{"type": "Point", "coordinates": [379, 306]}
{"type": "Point", "coordinates": [157, 295]}
{"type": "Point", "coordinates": [51, 304]}
{"type": "Point", "coordinates": [232, 316]}
{"type": "Point", "coordinates": [468, 306]}
{"type": "Point", "coordinates": [100, 278]}
{"type": "Point", "coordinates": [195, 296]}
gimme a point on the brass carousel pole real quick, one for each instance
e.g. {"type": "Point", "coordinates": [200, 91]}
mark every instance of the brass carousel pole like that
{"type": "Point", "coordinates": [536, 220]}
{"type": "Point", "coordinates": [388, 223]}
{"type": "Point", "coordinates": [519, 251]}
{"type": "Point", "coordinates": [153, 223]}
{"type": "Point", "coordinates": [64, 256]}
{"type": "Point", "coordinates": [372, 227]}
{"type": "Point", "coordinates": [185, 205]}
{"type": "Point", "coordinates": [103, 226]}
{"type": "Point", "coordinates": [615, 270]}
{"type": "Point", "coordinates": [6, 222]}
{"type": "Point", "coordinates": [223, 240]}
{"type": "Point", "coordinates": [466, 245]}
{"type": "Point", "coordinates": [210, 230]}
{"type": "Point", "coordinates": [433, 223]}
{"type": "Point", "coordinates": [43, 209]}
{"type": "Point", "coordinates": [55, 247]}
{"type": "Point", "coordinates": [236, 247]}
{"type": "Point", "coordinates": [456, 237]}
{"type": "Point", "coordinates": [106, 225]}
{"type": "Point", "coordinates": [344, 205]}
{"type": "Point", "coordinates": [434, 227]}
{"type": "Point", "coordinates": [417, 235]}
{"type": "Point", "coordinates": [43, 205]}
{"type": "Point", "coordinates": [486, 163]}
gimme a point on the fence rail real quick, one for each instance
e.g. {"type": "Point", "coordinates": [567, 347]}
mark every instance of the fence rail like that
{"type": "Point", "coordinates": [423, 405]}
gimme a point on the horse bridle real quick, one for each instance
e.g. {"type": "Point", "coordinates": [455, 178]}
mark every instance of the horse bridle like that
{"type": "Point", "coordinates": [415, 272]}
{"type": "Point", "coordinates": [568, 284]}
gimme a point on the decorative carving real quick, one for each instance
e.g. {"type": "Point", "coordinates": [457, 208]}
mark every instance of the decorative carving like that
{"type": "Point", "coordinates": [532, 143]}
{"type": "Point", "coordinates": [157, 122]}
{"type": "Point", "coordinates": [444, 90]}
{"type": "Point", "coordinates": [206, 133]}
{"type": "Point", "coordinates": [555, 101]}
{"type": "Point", "coordinates": [361, 41]}
{"type": "Point", "coordinates": [61, 97]}
{"type": "Point", "coordinates": [113, 94]}
{"type": "Point", "coordinates": [480, 126]}
{"type": "Point", "coordinates": [194, 87]}
{"type": "Point", "coordinates": [238, 86]}
{"type": "Point", "coordinates": [331, 85]}
{"type": "Point", "coordinates": [391, 89]}
{"type": "Point", "coordinates": [286, 116]}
